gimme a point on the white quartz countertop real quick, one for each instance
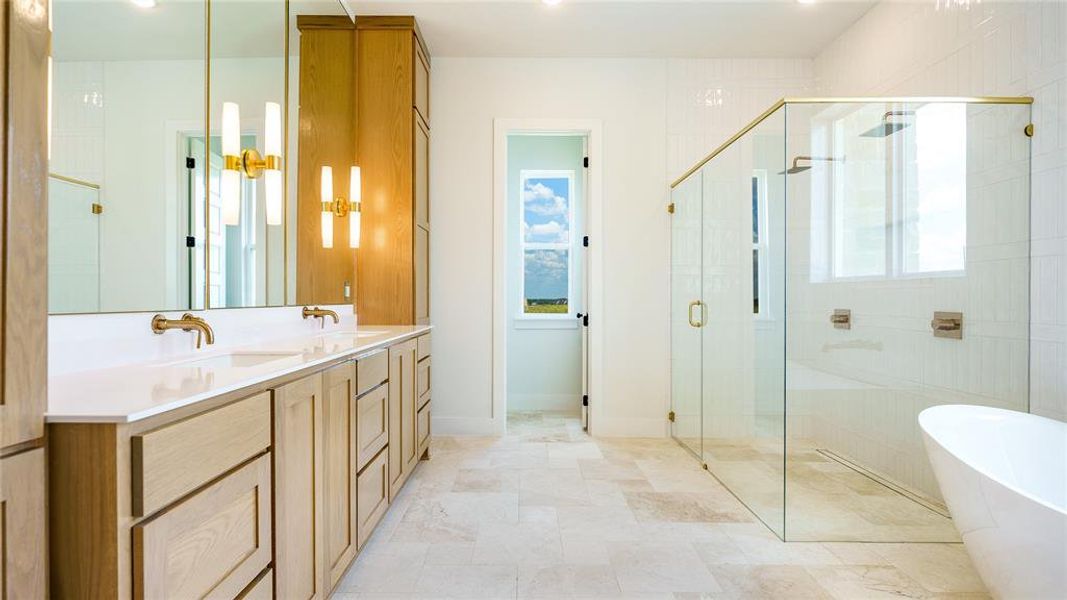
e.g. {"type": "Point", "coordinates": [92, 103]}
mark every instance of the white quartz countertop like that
{"type": "Point", "coordinates": [133, 392]}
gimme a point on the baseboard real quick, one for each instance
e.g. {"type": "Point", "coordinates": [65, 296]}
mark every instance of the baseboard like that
{"type": "Point", "coordinates": [460, 426]}
{"type": "Point", "coordinates": [616, 427]}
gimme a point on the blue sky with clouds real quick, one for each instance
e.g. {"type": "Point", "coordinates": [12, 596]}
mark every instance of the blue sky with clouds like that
{"type": "Point", "coordinates": [546, 220]}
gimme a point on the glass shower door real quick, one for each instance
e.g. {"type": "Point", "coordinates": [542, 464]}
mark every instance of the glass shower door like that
{"type": "Point", "coordinates": [686, 317]}
{"type": "Point", "coordinates": [74, 211]}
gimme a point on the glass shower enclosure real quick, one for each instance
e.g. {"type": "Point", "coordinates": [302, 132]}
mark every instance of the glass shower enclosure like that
{"type": "Point", "coordinates": [838, 266]}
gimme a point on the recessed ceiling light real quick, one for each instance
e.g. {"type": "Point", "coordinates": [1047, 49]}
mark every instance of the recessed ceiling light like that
{"type": "Point", "coordinates": [551, 2]}
{"type": "Point", "coordinates": [144, 3]}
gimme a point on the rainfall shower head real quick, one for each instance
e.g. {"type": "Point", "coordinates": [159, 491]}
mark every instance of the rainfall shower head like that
{"type": "Point", "coordinates": [798, 168]}
{"type": "Point", "coordinates": [889, 125]}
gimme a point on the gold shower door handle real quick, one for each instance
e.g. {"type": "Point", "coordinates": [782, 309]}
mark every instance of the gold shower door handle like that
{"type": "Point", "coordinates": [703, 313]}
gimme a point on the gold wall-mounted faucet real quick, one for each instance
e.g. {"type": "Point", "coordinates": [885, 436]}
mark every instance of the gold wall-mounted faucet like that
{"type": "Point", "coordinates": [188, 322]}
{"type": "Point", "coordinates": [320, 314]}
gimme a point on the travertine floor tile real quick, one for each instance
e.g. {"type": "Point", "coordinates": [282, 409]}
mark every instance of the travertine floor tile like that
{"type": "Point", "coordinates": [547, 512]}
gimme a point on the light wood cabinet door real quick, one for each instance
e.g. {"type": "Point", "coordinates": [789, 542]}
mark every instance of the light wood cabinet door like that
{"type": "Point", "coordinates": [402, 445]}
{"type": "Point", "coordinates": [372, 424]}
{"type": "Point", "coordinates": [339, 462]}
{"type": "Point", "coordinates": [299, 563]}
{"type": "Point", "coordinates": [422, 428]}
{"type": "Point", "coordinates": [422, 82]}
{"type": "Point", "coordinates": [210, 545]}
{"type": "Point", "coordinates": [23, 548]}
{"type": "Point", "coordinates": [373, 495]}
{"type": "Point", "coordinates": [260, 589]}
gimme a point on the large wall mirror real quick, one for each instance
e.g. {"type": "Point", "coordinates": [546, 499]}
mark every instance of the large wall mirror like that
{"type": "Point", "coordinates": [174, 153]}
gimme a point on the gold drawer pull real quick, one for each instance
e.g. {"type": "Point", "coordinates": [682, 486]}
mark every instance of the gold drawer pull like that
{"type": "Point", "coordinates": [947, 325]}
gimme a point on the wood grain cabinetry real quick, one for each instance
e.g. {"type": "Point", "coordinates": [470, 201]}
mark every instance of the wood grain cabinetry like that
{"type": "Point", "coordinates": [210, 545]}
{"type": "Point", "coordinates": [402, 414]}
{"type": "Point", "coordinates": [25, 41]}
{"type": "Point", "coordinates": [339, 463]}
{"type": "Point", "coordinates": [393, 141]}
{"type": "Point", "coordinates": [23, 548]}
{"type": "Point", "coordinates": [299, 566]}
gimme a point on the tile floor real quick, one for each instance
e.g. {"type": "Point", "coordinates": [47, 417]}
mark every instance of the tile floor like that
{"type": "Point", "coordinates": [547, 512]}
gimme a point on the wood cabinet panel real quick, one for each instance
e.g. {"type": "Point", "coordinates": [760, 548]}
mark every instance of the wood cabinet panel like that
{"type": "Point", "coordinates": [23, 277]}
{"type": "Point", "coordinates": [371, 371]}
{"type": "Point", "coordinates": [373, 495]}
{"type": "Point", "coordinates": [421, 168]}
{"type": "Point", "coordinates": [339, 465]}
{"type": "Point", "coordinates": [298, 490]}
{"type": "Point", "coordinates": [210, 545]}
{"type": "Point", "coordinates": [423, 344]}
{"type": "Point", "coordinates": [372, 425]}
{"type": "Point", "coordinates": [260, 589]}
{"type": "Point", "coordinates": [422, 82]}
{"type": "Point", "coordinates": [175, 459]}
{"type": "Point", "coordinates": [423, 428]}
{"type": "Point", "coordinates": [422, 276]}
{"type": "Point", "coordinates": [402, 413]}
{"type": "Point", "coordinates": [422, 380]}
{"type": "Point", "coordinates": [23, 547]}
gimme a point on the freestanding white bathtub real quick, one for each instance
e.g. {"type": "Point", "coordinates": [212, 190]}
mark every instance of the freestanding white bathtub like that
{"type": "Point", "coordinates": [1004, 477]}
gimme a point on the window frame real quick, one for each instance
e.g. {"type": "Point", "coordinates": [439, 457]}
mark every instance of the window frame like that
{"type": "Point", "coordinates": [569, 246]}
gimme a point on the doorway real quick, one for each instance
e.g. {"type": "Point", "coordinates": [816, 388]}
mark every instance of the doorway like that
{"type": "Point", "coordinates": [545, 276]}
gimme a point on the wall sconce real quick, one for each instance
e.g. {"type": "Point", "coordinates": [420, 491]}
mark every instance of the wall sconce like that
{"type": "Point", "coordinates": [250, 162]}
{"type": "Point", "coordinates": [339, 207]}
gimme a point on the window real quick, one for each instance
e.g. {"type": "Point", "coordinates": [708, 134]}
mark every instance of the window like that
{"type": "Point", "coordinates": [546, 242]}
{"type": "Point", "coordinates": [899, 196]}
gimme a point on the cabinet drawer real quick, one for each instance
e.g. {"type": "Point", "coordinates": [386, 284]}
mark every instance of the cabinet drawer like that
{"type": "Point", "coordinates": [422, 379]}
{"type": "Point", "coordinates": [372, 425]}
{"type": "Point", "coordinates": [260, 589]}
{"type": "Point", "coordinates": [371, 371]}
{"type": "Point", "coordinates": [212, 544]}
{"type": "Point", "coordinates": [423, 342]}
{"type": "Point", "coordinates": [423, 427]}
{"type": "Point", "coordinates": [372, 495]}
{"type": "Point", "coordinates": [175, 459]}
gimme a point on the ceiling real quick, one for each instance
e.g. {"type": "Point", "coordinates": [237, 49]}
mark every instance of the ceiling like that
{"type": "Point", "coordinates": [118, 30]}
{"type": "Point", "coordinates": [634, 28]}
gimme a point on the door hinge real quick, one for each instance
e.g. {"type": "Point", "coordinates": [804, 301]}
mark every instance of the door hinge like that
{"type": "Point", "coordinates": [190, 162]}
{"type": "Point", "coordinates": [190, 241]}
{"type": "Point", "coordinates": [670, 416]}
{"type": "Point", "coordinates": [585, 162]}
{"type": "Point", "coordinates": [585, 399]}
{"type": "Point", "coordinates": [97, 208]}
{"type": "Point", "coordinates": [670, 208]}
{"type": "Point", "coordinates": [1029, 130]}
{"type": "Point", "coordinates": [585, 320]}
{"type": "Point", "coordinates": [585, 241]}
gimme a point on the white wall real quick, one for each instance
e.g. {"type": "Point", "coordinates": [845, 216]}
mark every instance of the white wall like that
{"type": "Point", "coordinates": [995, 48]}
{"type": "Point", "coordinates": [659, 116]}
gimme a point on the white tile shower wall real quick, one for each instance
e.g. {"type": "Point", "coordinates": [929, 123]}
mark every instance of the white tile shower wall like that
{"type": "Point", "coordinates": [995, 48]}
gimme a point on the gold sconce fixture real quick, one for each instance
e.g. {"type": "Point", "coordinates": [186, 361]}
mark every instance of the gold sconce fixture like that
{"type": "Point", "coordinates": [341, 208]}
{"type": "Point", "coordinates": [249, 162]}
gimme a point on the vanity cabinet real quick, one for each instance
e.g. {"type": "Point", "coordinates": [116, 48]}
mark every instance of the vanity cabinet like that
{"type": "Point", "coordinates": [268, 491]}
{"type": "Point", "coordinates": [22, 526]}
{"type": "Point", "coordinates": [393, 146]}
{"type": "Point", "coordinates": [298, 489]}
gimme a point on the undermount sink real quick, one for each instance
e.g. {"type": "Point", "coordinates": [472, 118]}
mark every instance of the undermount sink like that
{"type": "Point", "coordinates": [237, 360]}
{"type": "Point", "coordinates": [359, 334]}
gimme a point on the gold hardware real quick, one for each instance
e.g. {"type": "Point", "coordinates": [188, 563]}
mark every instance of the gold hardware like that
{"type": "Point", "coordinates": [702, 306]}
{"type": "Point", "coordinates": [188, 322]}
{"type": "Point", "coordinates": [670, 208]}
{"type": "Point", "coordinates": [97, 208]}
{"type": "Point", "coordinates": [75, 181]}
{"type": "Point", "coordinates": [341, 207]}
{"type": "Point", "coordinates": [845, 99]}
{"type": "Point", "coordinates": [320, 314]}
{"type": "Point", "coordinates": [670, 416]}
{"type": "Point", "coordinates": [1029, 130]}
{"type": "Point", "coordinates": [842, 318]}
{"type": "Point", "coordinates": [251, 163]}
{"type": "Point", "coordinates": [704, 466]}
{"type": "Point", "coordinates": [947, 325]}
